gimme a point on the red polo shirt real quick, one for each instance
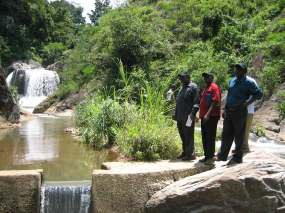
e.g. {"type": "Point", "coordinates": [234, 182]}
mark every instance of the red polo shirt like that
{"type": "Point", "coordinates": [210, 94]}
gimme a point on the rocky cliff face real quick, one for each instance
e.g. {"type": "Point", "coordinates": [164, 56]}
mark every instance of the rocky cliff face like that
{"type": "Point", "coordinates": [8, 107]}
{"type": "Point", "coordinates": [268, 117]}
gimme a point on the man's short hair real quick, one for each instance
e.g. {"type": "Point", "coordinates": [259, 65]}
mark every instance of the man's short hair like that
{"type": "Point", "coordinates": [241, 66]}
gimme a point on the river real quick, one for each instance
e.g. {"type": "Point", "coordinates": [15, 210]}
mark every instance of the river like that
{"type": "Point", "coordinates": [41, 143]}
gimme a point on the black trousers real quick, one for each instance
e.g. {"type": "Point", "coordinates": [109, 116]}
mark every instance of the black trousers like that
{"type": "Point", "coordinates": [209, 130]}
{"type": "Point", "coordinates": [187, 138]}
{"type": "Point", "coordinates": [233, 129]}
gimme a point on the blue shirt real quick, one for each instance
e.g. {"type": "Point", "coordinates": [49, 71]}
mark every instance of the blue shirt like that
{"type": "Point", "coordinates": [240, 90]}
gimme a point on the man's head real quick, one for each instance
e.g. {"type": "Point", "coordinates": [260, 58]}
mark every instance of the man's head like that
{"type": "Point", "coordinates": [173, 87]}
{"type": "Point", "coordinates": [241, 70]}
{"type": "Point", "coordinates": [208, 77]}
{"type": "Point", "coordinates": [184, 78]}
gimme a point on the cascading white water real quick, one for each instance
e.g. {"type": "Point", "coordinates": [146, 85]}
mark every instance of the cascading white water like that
{"type": "Point", "coordinates": [34, 84]}
{"type": "Point", "coordinates": [66, 197]}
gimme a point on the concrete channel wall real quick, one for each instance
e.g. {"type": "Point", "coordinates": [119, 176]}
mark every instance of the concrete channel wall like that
{"type": "Point", "coordinates": [20, 191]}
{"type": "Point", "coordinates": [122, 187]}
{"type": "Point", "coordinates": [126, 187]}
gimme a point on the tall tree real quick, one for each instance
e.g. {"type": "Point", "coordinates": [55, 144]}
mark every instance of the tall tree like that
{"type": "Point", "coordinates": [101, 7]}
{"type": "Point", "coordinates": [75, 11]}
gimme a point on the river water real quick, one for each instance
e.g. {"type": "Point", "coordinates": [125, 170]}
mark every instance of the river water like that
{"type": "Point", "coordinates": [41, 143]}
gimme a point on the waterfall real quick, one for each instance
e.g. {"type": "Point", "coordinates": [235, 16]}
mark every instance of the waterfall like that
{"type": "Point", "coordinates": [66, 197]}
{"type": "Point", "coordinates": [34, 84]}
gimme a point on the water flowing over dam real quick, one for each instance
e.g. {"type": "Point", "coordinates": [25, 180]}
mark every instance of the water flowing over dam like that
{"type": "Point", "coordinates": [66, 197]}
{"type": "Point", "coordinates": [33, 84]}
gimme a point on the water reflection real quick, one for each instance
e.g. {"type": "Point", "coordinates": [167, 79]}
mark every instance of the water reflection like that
{"type": "Point", "coordinates": [42, 144]}
{"type": "Point", "coordinates": [39, 146]}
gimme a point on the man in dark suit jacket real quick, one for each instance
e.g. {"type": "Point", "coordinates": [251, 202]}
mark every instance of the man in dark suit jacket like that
{"type": "Point", "coordinates": [187, 105]}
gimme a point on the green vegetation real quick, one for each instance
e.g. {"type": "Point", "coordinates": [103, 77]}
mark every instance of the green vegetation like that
{"type": "Point", "coordinates": [259, 131]}
{"type": "Point", "coordinates": [281, 103]}
{"type": "Point", "coordinates": [134, 53]}
{"type": "Point", "coordinates": [99, 120]}
{"type": "Point", "coordinates": [37, 29]}
{"type": "Point", "coordinates": [101, 7]}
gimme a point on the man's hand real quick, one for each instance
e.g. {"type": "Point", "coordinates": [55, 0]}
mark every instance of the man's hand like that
{"type": "Point", "coordinates": [206, 118]}
{"type": "Point", "coordinates": [224, 114]}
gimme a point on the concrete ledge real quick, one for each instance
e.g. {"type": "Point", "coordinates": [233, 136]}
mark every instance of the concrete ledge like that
{"type": "Point", "coordinates": [126, 187]}
{"type": "Point", "coordinates": [20, 191]}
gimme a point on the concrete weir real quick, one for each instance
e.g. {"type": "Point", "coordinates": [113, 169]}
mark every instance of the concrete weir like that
{"type": "Point", "coordinates": [20, 191]}
{"type": "Point", "coordinates": [126, 187]}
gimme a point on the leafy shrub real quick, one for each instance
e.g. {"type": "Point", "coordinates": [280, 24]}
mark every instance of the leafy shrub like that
{"type": "Point", "coordinates": [270, 78]}
{"type": "Point", "coordinates": [212, 23]}
{"type": "Point", "coordinates": [52, 52]}
{"type": "Point", "coordinates": [281, 103]}
{"type": "Point", "coordinates": [259, 131]}
{"type": "Point", "coordinates": [99, 120]}
{"type": "Point", "coordinates": [66, 89]}
{"type": "Point", "coordinates": [14, 93]}
{"type": "Point", "coordinates": [130, 34]}
{"type": "Point", "coordinates": [149, 138]}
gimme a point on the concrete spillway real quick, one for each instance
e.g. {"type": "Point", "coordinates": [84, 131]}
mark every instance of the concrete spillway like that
{"type": "Point", "coordinates": [66, 197]}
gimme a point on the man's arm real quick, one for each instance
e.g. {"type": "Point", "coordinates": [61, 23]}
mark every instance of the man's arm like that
{"type": "Point", "coordinates": [196, 102]}
{"type": "Point", "coordinates": [255, 92]}
{"type": "Point", "coordinates": [216, 101]}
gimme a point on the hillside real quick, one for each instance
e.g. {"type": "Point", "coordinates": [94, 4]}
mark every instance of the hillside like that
{"type": "Point", "coordinates": [133, 54]}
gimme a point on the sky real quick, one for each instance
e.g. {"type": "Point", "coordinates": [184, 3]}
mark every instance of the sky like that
{"type": "Point", "coordinates": [88, 5]}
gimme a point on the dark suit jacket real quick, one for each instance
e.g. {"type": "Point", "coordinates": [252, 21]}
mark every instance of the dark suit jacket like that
{"type": "Point", "coordinates": [187, 102]}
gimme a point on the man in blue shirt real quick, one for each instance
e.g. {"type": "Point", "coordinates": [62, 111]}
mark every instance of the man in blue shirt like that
{"type": "Point", "coordinates": [242, 92]}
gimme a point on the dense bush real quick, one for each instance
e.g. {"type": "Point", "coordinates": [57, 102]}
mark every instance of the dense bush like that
{"type": "Point", "coordinates": [149, 137]}
{"type": "Point", "coordinates": [281, 103]}
{"type": "Point", "coordinates": [52, 52]}
{"type": "Point", "coordinates": [27, 26]}
{"type": "Point", "coordinates": [99, 119]}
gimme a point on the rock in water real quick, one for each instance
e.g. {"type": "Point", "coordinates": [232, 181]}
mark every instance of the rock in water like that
{"type": "Point", "coordinates": [8, 106]}
{"type": "Point", "coordinates": [255, 186]}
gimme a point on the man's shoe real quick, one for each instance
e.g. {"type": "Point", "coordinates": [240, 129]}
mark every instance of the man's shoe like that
{"type": "Point", "coordinates": [186, 158]}
{"type": "Point", "coordinates": [217, 158]}
{"type": "Point", "coordinates": [234, 161]}
{"type": "Point", "coordinates": [246, 151]}
{"type": "Point", "coordinates": [181, 156]}
{"type": "Point", "coordinates": [209, 162]}
{"type": "Point", "coordinates": [203, 160]}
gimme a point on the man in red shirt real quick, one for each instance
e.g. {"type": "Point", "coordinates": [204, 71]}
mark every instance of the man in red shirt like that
{"type": "Point", "coordinates": [210, 111]}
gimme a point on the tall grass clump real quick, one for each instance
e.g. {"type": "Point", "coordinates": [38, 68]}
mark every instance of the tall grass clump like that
{"type": "Point", "coordinates": [99, 119]}
{"type": "Point", "coordinates": [149, 137]}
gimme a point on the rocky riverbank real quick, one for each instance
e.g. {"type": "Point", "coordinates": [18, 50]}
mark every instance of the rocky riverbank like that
{"type": "Point", "coordinates": [8, 107]}
{"type": "Point", "coordinates": [268, 120]}
{"type": "Point", "coordinates": [257, 185]}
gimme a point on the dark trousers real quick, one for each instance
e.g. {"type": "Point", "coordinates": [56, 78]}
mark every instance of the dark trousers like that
{"type": "Point", "coordinates": [233, 129]}
{"type": "Point", "coordinates": [187, 138]}
{"type": "Point", "coordinates": [209, 130]}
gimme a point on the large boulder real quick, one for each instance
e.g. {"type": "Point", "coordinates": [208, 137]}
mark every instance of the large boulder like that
{"type": "Point", "coordinates": [57, 66]}
{"type": "Point", "coordinates": [52, 104]}
{"type": "Point", "coordinates": [8, 107]}
{"type": "Point", "coordinates": [255, 186]}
